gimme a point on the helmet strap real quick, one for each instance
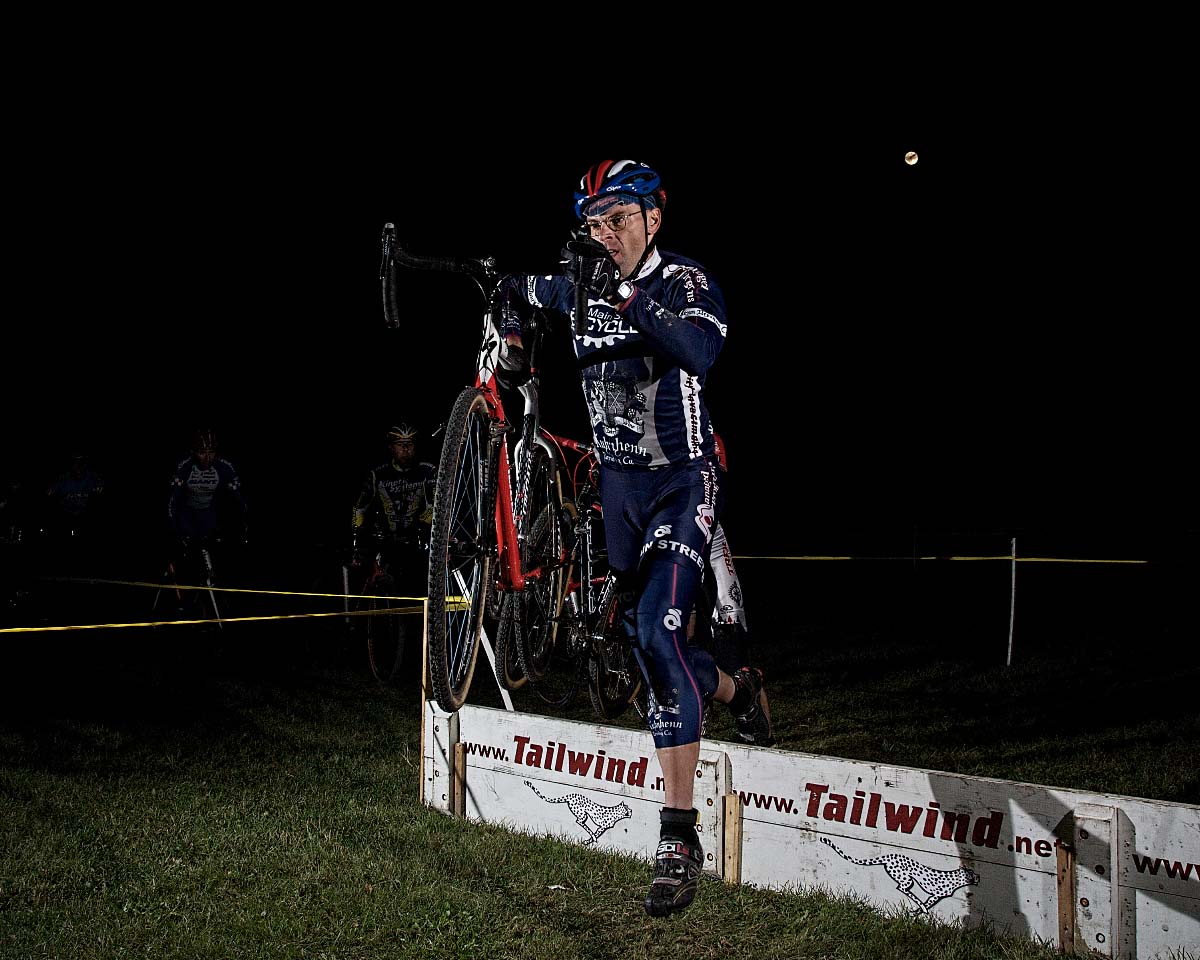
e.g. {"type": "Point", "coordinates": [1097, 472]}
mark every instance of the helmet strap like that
{"type": "Point", "coordinates": [649, 242]}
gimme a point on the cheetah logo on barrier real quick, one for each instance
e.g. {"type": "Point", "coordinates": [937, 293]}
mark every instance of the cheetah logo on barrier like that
{"type": "Point", "coordinates": [594, 817]}
{"type": "Point", "coordinates": [906, 873]}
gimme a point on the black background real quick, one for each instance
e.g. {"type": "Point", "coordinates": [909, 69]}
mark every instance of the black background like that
{"type": "Point", "coordinates": [980, 341]}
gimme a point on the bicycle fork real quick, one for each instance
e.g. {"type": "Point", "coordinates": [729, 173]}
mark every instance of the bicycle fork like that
{"type": "Point", "coordinates": [208, 585]}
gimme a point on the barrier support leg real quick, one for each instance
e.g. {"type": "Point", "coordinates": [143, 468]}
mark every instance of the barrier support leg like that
{"type": "Point", "coordinates": [732, 821]}
{"type": "Point", "coordinates": [458, 782]}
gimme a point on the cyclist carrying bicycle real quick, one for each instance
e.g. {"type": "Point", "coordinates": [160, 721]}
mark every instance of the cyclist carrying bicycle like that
{"type": "Point", "coordinates": [655, 324]}
{"type": "Point", "coordinates": [395, 504]}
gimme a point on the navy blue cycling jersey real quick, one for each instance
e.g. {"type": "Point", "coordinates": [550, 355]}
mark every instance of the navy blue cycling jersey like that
{"type": "Point", "coordinates": [203, 499]}
{"type": "Point", "coordinates": [643, 364]}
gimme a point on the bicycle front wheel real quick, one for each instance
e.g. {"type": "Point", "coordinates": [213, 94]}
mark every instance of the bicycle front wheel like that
{"type": "Point", "coordinates": [462, 542]}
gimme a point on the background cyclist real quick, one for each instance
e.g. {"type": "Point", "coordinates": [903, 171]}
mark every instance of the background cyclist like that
{"type": "Point", "coordinates": [206, 503]}
{"type": "Point", "coordinates": [394, 508]}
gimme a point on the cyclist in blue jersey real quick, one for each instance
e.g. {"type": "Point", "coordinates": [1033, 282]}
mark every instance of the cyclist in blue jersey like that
{"type": "Point", "coordinates": [74, 517]}
{"type": "Point", "coordinates": [395, 505]}
{"type": "Point", "coordinates": [206, 499]}
{"type": "Point", "coordinates": [206, 508]}
{"type": "Point", "coordinates": [655, 324]}
{"type": "Point", "coordinates": [74, 497]}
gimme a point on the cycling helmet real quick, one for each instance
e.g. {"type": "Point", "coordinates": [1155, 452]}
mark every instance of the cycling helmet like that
{"type": "Point", "coordinates": [204, 439]}
{"type": "Point", "coordinates": [627, 178]}
{"type": "Point", "coordinates": [401, 431]}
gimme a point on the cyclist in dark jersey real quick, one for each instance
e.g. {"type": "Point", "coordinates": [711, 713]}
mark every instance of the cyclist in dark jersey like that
{"type": "Point", "coordinates": [655, 324]}
{"type": "Point", "coordinates": [206, 498]}
{"type": "Point", "coordinates": [74, 496]}
{"type": "Point", "coordinates": [206, 507]}
{"type": "Point", "coordinates": [74, 518]}
{"type": "Point", "coordinates": [395, 503]}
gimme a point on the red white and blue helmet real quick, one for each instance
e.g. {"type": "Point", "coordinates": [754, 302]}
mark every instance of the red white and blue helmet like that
{"type": "Point", "coordinates": [627, 179]}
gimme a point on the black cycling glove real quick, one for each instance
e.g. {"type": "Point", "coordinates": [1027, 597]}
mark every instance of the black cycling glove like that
{"type": "Point", "coordinates": [589, 265]}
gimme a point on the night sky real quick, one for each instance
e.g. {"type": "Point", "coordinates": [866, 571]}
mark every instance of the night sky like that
{"type": "Point", "coordinates": [972, 342]}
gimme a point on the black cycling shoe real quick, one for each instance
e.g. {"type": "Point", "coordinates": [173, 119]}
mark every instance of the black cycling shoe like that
{"type": "Point", "coordinates": [677, 869]}
{"type": "Point", "coordinates": [754, 726]}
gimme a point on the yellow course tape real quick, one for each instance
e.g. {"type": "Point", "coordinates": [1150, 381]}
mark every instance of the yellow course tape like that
{"type": "Point", "coordinates": [454, 602]}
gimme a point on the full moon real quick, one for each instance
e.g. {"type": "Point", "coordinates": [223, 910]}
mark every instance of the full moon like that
{"type": "Point", "coordinates": [911, 157]}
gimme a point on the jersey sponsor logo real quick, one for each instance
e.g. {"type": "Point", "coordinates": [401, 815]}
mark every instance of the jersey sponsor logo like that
{"type": "Point", "coordinates": [692, 278]}
{"type": "Point", "coordinates": [689, 388]}
{"type": "Point", "coordinates": [626, 460]}
{"type": "Point", "coordinates": [674, 546]}
{"type": "Point", "coordinates": [728, 558]}
{"type": "Point", "coordinates": [531, 290]}
{"type": "Point", "coordinates": [201, 486]}
{"type": "Point", "coordinates": [706, 512]}
{"type": "Point", "coordinates": [614, 404]}
{"type": "Point", "coordinates": [606, 327]}
{"type": "Point", "coordinates": [622, 451]}
{"type": "Point", "coordinates": [699, 314]}
{"type": "Point", "coordinates": [656, 709]}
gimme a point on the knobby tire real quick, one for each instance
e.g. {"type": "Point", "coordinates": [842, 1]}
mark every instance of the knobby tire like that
{"type": "Point", "coordinates": [462, 546]}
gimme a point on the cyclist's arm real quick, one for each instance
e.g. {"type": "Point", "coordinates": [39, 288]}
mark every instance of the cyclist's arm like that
{"type": "Point", "coordinates": [236, 496]}
{"type": "Point", "coordinates": [362, 504]}
{"type": "Point", "coordinates": [234, 486]}
{"type": "Point", "coordinates": [175, 501]}
{"type": "Point", "coordinates": [522, 294]}
{"type": "Point", "coordinates": [689, 327]}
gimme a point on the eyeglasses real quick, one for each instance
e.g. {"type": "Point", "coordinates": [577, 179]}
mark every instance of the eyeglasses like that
{"type": "Point", "coordinates": [616, 223]}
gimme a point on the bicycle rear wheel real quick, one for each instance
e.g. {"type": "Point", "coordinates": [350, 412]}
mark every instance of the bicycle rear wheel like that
{"type": "Point", "coordinates": [508, 658]}
{"type": "Point", "coordinates": [544, 560]}
{"type": "Point", "coordinates": [461, 548]}
{"type": "Point", "coordinates": [614, 677]}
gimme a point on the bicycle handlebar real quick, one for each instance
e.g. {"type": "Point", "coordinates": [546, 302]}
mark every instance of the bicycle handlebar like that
{"type": "Point", "coordinates": [482, 271]}
{"type": "Point", "coordinates": [485, 267]}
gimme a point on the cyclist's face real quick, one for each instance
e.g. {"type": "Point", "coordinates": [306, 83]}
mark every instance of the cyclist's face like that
{"type": "Point", "coordinates": [204, 456]}
{"type": "Point", "coordinates": [627, 244]}
{"type": "Point", "coordinates": [403, 451]}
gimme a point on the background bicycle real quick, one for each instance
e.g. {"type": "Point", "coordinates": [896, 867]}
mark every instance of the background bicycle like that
{"type": "Point", "coordinates": [384, 583]}
{"type": "Point", "coordinates": [189, 583]}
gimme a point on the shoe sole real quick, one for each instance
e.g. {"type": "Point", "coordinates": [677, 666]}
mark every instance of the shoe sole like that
{"type": "Point", "coordinates": [664, 909]}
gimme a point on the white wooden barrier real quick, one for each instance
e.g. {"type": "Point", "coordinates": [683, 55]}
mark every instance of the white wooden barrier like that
{"type": "Point", "coordinates": [1117, 875]}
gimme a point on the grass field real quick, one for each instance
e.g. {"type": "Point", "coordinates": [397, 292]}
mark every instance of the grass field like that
{"type": "Point", "coordinates": [171, 794]}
